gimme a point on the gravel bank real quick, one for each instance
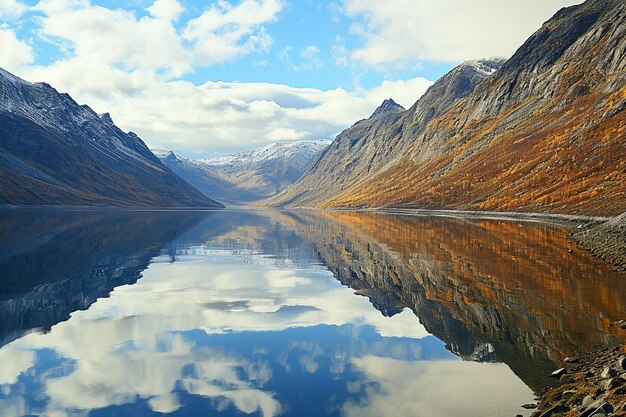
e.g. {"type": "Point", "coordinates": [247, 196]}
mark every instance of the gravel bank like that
{"type": "Point", "coordinates": [592, 384]}
{"type": "Point", "coordinates": [606, 240]}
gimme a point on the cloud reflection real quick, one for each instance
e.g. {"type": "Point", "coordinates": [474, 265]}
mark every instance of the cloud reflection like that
{"type": "Point", "coordinates": [136, 344]}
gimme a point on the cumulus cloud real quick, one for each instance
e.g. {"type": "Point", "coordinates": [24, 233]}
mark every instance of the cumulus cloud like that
{"type": "Point", "coordinates": [166, 9]}
{"type": "Point", "coordinates": [218, 116]}
{"type": "Point", "coordinates": [14, 54]}
{"type": "Point", "coordinates": [11, 9]}
{"type": "Point", "coordinates": [118, 37]}
{"type": "Point", "coordinates": [129, 65]}
{"type": "Point", "coordinates": [404, 31]}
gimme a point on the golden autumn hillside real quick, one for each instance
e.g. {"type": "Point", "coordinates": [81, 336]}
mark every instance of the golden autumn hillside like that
{"type": "Point", "coordinates": [544, 131]}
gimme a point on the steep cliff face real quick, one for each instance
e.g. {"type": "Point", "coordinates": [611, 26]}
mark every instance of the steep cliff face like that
{"type": "Point", "coordinates": [372, 145]}
{"type": "Point", "coordinates": [544, 133]}
{"type": "Point", "coordinates": [56, 152]}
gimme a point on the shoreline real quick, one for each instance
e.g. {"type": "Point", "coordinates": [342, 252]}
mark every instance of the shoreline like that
{"type": "Point", "coordinates": [603, 237]}
{"type": "Point", "coordinates": [591, 384]}
{"type": "Point", "coordinates": [550, 218]}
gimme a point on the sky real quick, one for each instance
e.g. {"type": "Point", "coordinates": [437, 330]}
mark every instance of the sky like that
{"type": "Point", "coordinates": [205, 78]}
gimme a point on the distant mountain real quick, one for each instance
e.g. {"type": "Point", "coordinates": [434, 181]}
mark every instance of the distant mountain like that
{"type": "Point", "coordinates": [545, 132]}
{"type": "Point", "coordinates": [247, 176]}
{"type": "Point", "coordinates": [373, 144]}
{"type": "Point", "coordinates": [56, 152]}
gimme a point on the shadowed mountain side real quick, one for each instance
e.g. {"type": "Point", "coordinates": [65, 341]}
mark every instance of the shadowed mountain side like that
{"type": "Point", "coordinates": [62, 261]}
{"type": "Point", "coordinates": [57, 152]}
{"type": "Point", "coordinates": [490, 290]}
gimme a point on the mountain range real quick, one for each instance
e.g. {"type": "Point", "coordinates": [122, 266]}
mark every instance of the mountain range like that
{"type": "Point", "coordinates": [247, 176]}
{"type": "Point", "coordinates": [542, 131]}
{"type": "Point", "coordinates": [54, 151]}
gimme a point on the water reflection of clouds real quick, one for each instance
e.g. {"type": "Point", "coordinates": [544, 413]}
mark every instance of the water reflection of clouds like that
{"type": "Point", "coordinates": [440, 388]}
{"type": "Point", "coordinates": [132, 345]}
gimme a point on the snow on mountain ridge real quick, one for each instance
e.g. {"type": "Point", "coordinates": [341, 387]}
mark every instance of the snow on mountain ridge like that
{"type": "Point", "coordinates": [300, 149]}
{"type": "Point", "coordinates": [162, 153]}
{"type": "Point", "coordinates": [484, 66]}
{"type": "Point", "coordinates": [44, 105]}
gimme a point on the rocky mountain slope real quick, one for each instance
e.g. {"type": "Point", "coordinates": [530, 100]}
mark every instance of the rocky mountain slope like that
{"type": "Point", "coordinates": [546, 132]}
{"type": "Point", "coordinates": [54, 151]}
{"type": "Point", "coordinates": [247, 176]}
{"type": "Point", "coordinates": [372, 145]}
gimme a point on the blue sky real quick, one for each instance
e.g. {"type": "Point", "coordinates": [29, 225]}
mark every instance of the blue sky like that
{"type": "Point", "coordinates": [209, 77]}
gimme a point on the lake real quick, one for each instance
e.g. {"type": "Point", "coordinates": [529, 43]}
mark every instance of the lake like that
{"type": "Point", "coordinates": [290, 313]}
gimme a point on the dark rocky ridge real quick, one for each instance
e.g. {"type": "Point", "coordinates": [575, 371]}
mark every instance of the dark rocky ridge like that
{"type": "Point", "coordinates": [388, 106]}
{"type": "Point", "coordinates": [56, 152]}
{"type": "Point", "coordinates": [542, 134]}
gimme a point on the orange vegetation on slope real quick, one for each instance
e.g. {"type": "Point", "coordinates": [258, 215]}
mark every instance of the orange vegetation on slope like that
{"type": "Point", "coordinates": [563, 161]}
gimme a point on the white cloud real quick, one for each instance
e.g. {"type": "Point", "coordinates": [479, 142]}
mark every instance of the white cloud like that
{"type": "Point", "coordinates": [222, 15]}
{"type": "Point", "coordinates": [405, 31]}
{"type": "Point", "coordinates": [217, 116]}
{"type": "Point", "coordinates": [11, 9]}
{"type": "Point", "coordinates": [119, 38]}
{"type": "Point", "coordinates": [166, 9]}
{"type": "Point", "coordinates": [14, 54]}
{"type": "Point", "coordinates": [341, 56]}
{"type": "Point", "coordinates": [116, 37]}
{"type": "Point", "coordinates": [14, 362]}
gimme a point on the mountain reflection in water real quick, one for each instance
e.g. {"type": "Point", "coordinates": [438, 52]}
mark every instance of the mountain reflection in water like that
{"type": "Point", "coordinates": [244, 313]}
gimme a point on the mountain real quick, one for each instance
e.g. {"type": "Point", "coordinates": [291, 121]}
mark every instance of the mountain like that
{"type": "Point", "coordinates": [247, 176]}
{"type": "Point", "coordinates": [388, 106]}
{"type": "Point", "coordinates": [544, 133]}
{"type": "Point", "coordinates": [372, 145]}
{"type": "Point", "coordinates": [54, 151]}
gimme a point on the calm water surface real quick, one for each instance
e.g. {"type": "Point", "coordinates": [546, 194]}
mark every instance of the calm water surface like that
{"type": "Point", "coordinates": [237, 313]}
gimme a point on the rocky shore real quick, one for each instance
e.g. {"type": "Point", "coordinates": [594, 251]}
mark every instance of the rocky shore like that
{"type": "Point", "coordinates": [606, 240]}
{"type": "Point", "coordinates": [591, 384]}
